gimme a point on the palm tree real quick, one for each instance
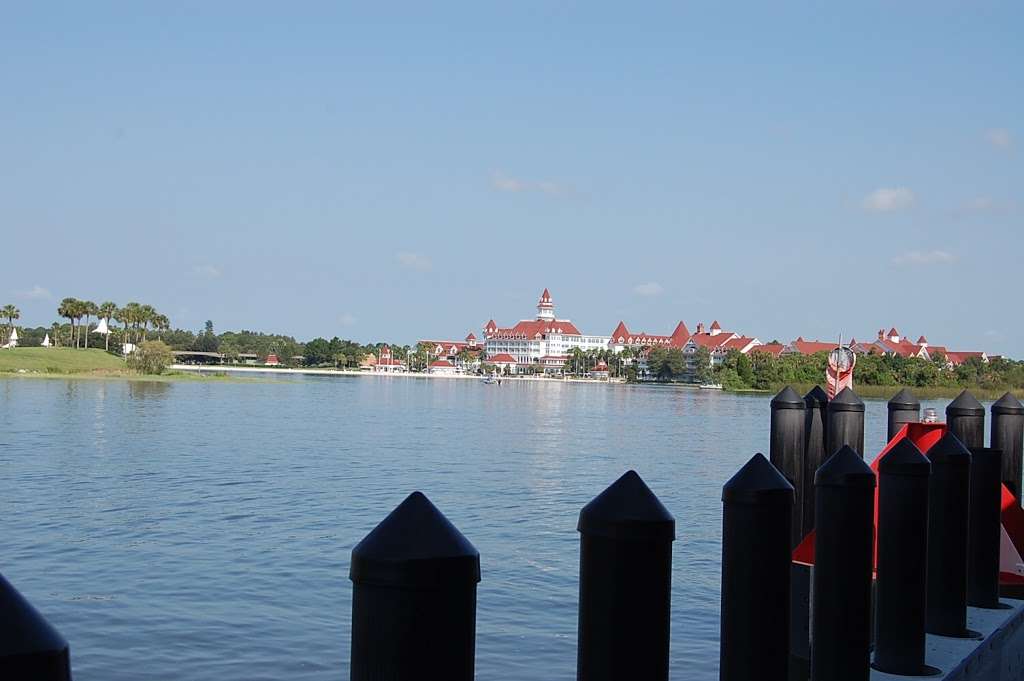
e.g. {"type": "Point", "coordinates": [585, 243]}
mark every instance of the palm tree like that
{"type": "Point", "coordinates": [106, 311]}
{"type": "Point", "coordinates": [55, 328]}
{"type": "Point", "coordinates": [65, 311]}
{"type": "Point", "coordinates": [122, 315]}
{"type": "Point", "coordinates": [161, 322]}
{"type": "Point", "coordinates": [89, 309]}
{"type": "Point", "coordinates": [133, 311]}
{"type": "Point", "coordinates": [146, 317]}
{"type": "Point", "coordinates": [11, 313]}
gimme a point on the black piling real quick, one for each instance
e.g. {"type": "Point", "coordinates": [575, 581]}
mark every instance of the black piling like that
{"type": "Point", "coordinates": [845, 423]}
{"type": "Point", "coordinates": [985, 528]}
{"type": "Point", "coordinates": [626, 540]}
{"type": "Point", "coordinates": [966, 419]}
{"type": "Point", "coordinates": [758, 503]}
{"type": "Point", "coordinates": [843, 562]}
{"type": "Point", "coordinates": [414, 597]}
{"type": "Point", "coordinates": [1008, 435]}
{"type": "Point", "coordinates": [788, 420]}
{"type": "Point", "coordinates": [30, 649]}
{"type": "Point", "coordinates": [816, 402]}
{"type": "Point", "coordinates": [948, 511]}
{"type": "Point", "coordinates": [902, 560]}
{"type": "Point", "coordinates": [903, 408]}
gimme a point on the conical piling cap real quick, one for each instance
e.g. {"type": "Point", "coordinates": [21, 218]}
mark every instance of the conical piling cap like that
{"type": "Point", "coordinates": [904, 400]}
{"type": "Point", "coordinates": [415, 546]}
{"type": "Point", "coordinates": [627, 510]}
{"type": "Point", "coordinates": [816, 398]}
{"type": "Point", "coordinates": [758, 483]}
{"type": "Point", "coordinates": [965, 404]}
{"type": "Point", "coordinates": [949, 450]}
{"type": "Point", "coordinates": [27, 634]}
{"type": "Point", "coordinates": [905, 459]}
{"type": "Point", "coordinates": [1008, 404]}
{"type": "Point", "coordinates": [846, 400]}
{"type": "Point", "coordinates": [788, 399]}
{"type": "Point", "coordinates": [845, 468]}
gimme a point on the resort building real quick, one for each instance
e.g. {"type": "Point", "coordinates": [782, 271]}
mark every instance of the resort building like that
{"type": "Point", "coordinates": [387, 364]}
{"type": "Point", "coordinates": [600, 371]}
{"type": "Point", "coordinates": [541, 343]}
{"type": "Point", "coordinates": [623, 338]}
{"type": "Point", "coordinates": [442, 367]}
{"type": "Point", "coordinates": [463, 355]}
{"type": "Point", "coordinates": [891, 343]}
{"type": "Point", "coordinates": [718, 343]}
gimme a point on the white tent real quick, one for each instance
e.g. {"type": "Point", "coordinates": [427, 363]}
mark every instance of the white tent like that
{"type": "Point", "coordinates": [46, 341]}
{"type": "Point", "coordinates": [102, 327]}
{"type": "Point", "coordinates": [13, 342]}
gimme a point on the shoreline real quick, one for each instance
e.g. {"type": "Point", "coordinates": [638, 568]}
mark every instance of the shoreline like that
{"type": "Point", "coordinates": [218, 369]}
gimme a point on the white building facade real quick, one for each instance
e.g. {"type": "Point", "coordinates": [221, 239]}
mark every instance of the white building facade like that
{"type": "Point", "coordinates": [543, 342]}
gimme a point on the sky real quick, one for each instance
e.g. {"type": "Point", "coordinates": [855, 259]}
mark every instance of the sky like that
{"type": "Point", "coordinates": [405, 172]}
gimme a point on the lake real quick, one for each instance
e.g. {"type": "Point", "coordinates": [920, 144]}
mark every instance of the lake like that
{"type": "Point", "coordinates": [202, 531]}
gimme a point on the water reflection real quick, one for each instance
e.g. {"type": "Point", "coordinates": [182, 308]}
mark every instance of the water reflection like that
{"type": "Point", "coordinates": [142, 390]}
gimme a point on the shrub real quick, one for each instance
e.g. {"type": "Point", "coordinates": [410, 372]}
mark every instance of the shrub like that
{"type": "Point", "coordinates": [151, 357]}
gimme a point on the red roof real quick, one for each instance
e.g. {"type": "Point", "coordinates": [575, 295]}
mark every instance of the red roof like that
{"type": "Point", "coordinates": [773, 349]}
{"type": "Point", "coordinates": [272, 359]}
{"type": "Point", "coordinates": [601, 366]}
{"type": "Point", "coordinates": [545, 299]}
{"type": "Point", "coordinates": [959, 357]}
{"type": "Point", "coordinates": [470, 337]}
{"type": "Point", "coordinates": [712, 342]}
{"type": "Point", "coordinates": [715, 326]}
{"type": "Point", "coordinates": [893, 332]}
{"type": "Point", "coordinates": [503, 358]}
{"type": "Point", "coordinates": [737, 343]}
{"type": "Point", "coordinates": [622, 336]}
{"type": "Point", "coordinates": [536, 328]}
{"type": "Point", "coordinates": [388, 362]}
{"type": "Point", "coordinates": [811, 347]}
{"type": "Point", "coordinates": [442, 363]}
{"type": "Point", "coordinates": [922, 340]}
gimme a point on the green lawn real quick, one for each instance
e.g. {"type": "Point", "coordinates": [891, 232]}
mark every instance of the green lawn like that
{"type": "Point", "coordinates": [59, 360]}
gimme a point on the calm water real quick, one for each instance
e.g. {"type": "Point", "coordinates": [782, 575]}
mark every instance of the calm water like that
{"type": "Point", "coordinates": [203, 531]}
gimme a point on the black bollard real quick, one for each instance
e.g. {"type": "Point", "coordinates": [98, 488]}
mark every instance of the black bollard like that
{"type": "Point", "coordinates": [626, 540]}
{"type": "Point", "coordinates": [30, 649]}
{"type": "Point", "coordinates": [414, 597]}
{"type": "Point", "coordinates": [788, 420]}
{"type": "Point", "coordinates": [754, 642]}
{"type": "Point", "coordinates": [1008, 435]}
{"type": "Point", "coordinates": [903, 408]}
{"type": "Point", "coordinates": [816, 402]}
{"type": "Point", "coordinates": [985, 528]}
{"type": "Point", "coordinates": [844, 544]}
{"type": "Point", "coordinates": [902, 560]}
{"type": "Point", "coordinates": [965, 418]}
{"type": "Point", "coordinates": [845, 423]}
{"type": "Point", "coordinates": [949, 488]}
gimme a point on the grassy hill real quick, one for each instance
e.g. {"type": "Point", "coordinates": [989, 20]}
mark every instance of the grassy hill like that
{"type": "Point", "coordinates": [59, 361]}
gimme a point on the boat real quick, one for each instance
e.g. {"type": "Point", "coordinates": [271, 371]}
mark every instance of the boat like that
{"type": "Point", "coordinates": [710, 386]}
{"type": "Point", "coordinates": [490, 380]}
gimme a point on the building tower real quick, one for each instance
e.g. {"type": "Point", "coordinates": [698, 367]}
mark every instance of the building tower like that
{"type": "Point", "coordinates": [545, 308]}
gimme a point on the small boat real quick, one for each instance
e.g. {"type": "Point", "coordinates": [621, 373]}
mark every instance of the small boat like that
{"type": "Point", "coordinates": [710, 386]}
{"type": "Point", "coordinates": [490, 380]}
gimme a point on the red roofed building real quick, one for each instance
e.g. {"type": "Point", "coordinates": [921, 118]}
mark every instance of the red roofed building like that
{"type": "Point", "coordinates": [623, 338]}
{"type": "Point", "coordinates": [718, 343]}
{"type": "Point", "coordinates": [600, 370]}
{"type": "Point", "coordinates": [441, 367]}
{"type": "Point", "coordinates": [545, 337]}
{"type": "Point", "coordinates": [773, 349]}
{"type": "Point", "coordinates": [453, 350]}
{"type": "Point", "coordinates": [387, 363]}
{"type": "Point", "coordinates": [805, 347]}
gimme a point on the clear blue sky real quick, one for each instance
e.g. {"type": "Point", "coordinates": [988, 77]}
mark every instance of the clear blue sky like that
{"type": "Point", "coordinates": [318, 169]}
